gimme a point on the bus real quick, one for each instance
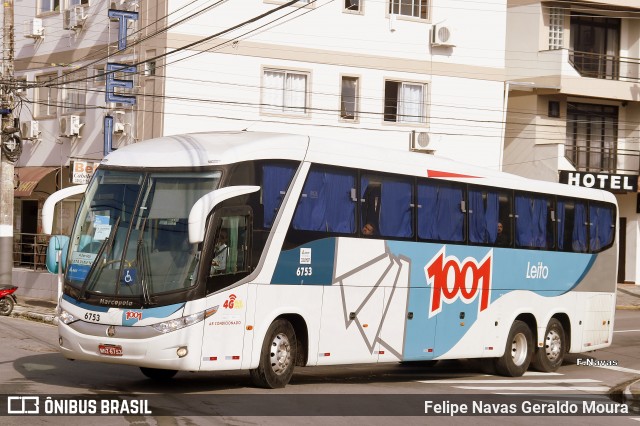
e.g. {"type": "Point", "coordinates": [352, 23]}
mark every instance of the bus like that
{"type": "Point", "coordinates": [264, 251]}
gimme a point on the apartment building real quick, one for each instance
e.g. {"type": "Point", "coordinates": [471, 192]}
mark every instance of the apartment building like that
{"type": "Point", "coordinates": [573, 114]}
{"type": "Point", "coordinates": [427, 74]}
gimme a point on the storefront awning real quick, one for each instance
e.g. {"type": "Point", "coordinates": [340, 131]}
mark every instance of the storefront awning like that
{"type": "Point", "coordinates": [28, 178]}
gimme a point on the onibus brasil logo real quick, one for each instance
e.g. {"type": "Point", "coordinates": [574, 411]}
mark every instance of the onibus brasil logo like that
{"type": "Point", "coordinates": [452, 279]}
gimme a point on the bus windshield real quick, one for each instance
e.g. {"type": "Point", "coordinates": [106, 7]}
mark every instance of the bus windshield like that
{"type": "Point", "coordinates": [131, 235]}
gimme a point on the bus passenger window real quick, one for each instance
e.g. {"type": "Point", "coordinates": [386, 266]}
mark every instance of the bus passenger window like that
{"type": "Point", "coordinates": [325, 204]}
{"type": "Point", "coordinates": [601, 226]}
{"type": "Point", "coordinates": [275, 182]}
{"type": "Point", "coordinates": [572, 226]}
{"type": "Point", "coordinates": [532, 216]}
{"type": "Point", "coordinates": [440, 212]}
{"type": "Point", "coordinates": [396, 209]}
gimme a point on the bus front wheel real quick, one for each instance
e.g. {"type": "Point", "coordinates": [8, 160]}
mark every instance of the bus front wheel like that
{"type": "Point", "coordinates": [517, 353]}
{"type": "Point", "coordinates": [549, 357]}
{"type": "Point", "coordinates": [277, 357]}
{"type": "Point", "coordinates": [158, 373]}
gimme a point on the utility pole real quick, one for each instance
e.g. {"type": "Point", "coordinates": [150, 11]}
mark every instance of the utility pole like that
{"type": "Point", "coordinates": [10, 144]}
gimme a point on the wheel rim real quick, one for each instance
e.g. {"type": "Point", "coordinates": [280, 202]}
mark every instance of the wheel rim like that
{"type": "Point", "coordinates": [553, 345]}
{"type": "Point", "coordinates": [5, 306]}
{"type": "Point", "coordinates": [280, 353]}
{"type": "Point", "coordinates": [519, 349]}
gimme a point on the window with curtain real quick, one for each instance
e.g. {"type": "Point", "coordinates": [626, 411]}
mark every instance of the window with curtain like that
{"type": "Point", "coordinates": [484, 212]}
{"type": "Point", "coordinates": [404, 102]}
{"type": "Point", "coordinates": [572, 225]}
{"type": "Point", "coordinates": [74, 92]}
{"type": "Point", "coordinates": [284, 92]}
{"type": "Point", "coordinates": [533, 220]}
{"type": "Point", "coordinates": [275, 182]}
{"type": "Point", "coordinates": [326, 202]}
{"type": "Point", "coordinates": [46, 97]}
{"type": "Point", "coordinates": [386, 206]}
{"type": "Point", "coordinates": [601, 226]}
{"type": "Point", "coordinates": [349, 98]}
{"type": "Point", "coordinates": [441, 212]}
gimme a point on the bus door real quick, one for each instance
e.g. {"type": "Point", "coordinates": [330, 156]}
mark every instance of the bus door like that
{"type": "Point", "coordinates": [226, 260]}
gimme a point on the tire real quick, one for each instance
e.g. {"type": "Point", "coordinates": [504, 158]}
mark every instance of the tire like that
{"type": "Point", "coordinates": [277, 357]}
{"type": "Point", "coordinates": [6, 306]}
{"type": "Point", "coordinates": [158, 373]}
{"type": "Point", "coordinates": [549, 358]}
{"type": "Point", "coordinates": [517, 352]}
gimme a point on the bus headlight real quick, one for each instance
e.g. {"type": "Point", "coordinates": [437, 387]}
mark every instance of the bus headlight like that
{"type": "Point", "coordinates": [66, 317]}
{"type": "Point", "coordinates": [178, 323]}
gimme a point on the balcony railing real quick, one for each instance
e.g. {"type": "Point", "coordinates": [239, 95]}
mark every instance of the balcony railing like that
{"type": "Point", "coordinates": [604, 160]}
{"type": "Point", "coordinates": [609, 67]}
{"type": "Point", "coordinates": [30, 250]}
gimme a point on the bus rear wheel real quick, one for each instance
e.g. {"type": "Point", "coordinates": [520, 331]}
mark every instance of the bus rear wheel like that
{"type": "Point", "coordinates": [549, 358]}
{"type": "Point", "coordinates": [517, 353]}
{"type": "Point", "coordinates": [277, 357]}
{"type": "Point", "coordinates": [158, 373]}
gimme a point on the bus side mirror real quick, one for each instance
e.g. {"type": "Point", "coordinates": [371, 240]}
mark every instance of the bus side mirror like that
{"type": "Point", "coordinates": [201, 209]}
{"type": "Point", "coordinates": [50, 204]}
{"type": "Point", "coordinates": [57, 243]}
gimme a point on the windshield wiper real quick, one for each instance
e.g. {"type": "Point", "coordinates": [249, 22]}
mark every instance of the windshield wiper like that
{"type": "Point", "coordinates": [142, 260]}
{"type": "Point", "coordinates": [106, 244]}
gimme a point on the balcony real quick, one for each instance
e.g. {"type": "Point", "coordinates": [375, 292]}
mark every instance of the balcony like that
{"type": "Point", "coordinates": [607, 67]}
{"type": "Point", "coordinates": [603, 160]}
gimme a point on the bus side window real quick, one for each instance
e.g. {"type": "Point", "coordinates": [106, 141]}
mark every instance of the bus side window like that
{"type": "Point", "coordinates": [440, 212]}
{"type": "Point", "coordinates": [601, 226]}
{"type": "Point", "coordinates": [572, 226]}
{"type": "Point", "coordinates": [275, 182]}
{"type": "Point", "coordinates": [532, 218]}
{"type": "Point", "coordinates": [396, 208]}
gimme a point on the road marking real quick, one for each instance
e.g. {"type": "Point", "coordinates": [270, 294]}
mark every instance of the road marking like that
{"type": "Point", "coordinates": [626, 331]}
{"type": "Point", "coordinates": [538, 388]}
{"type": "Point", "coordinates": [616, 368]}
{"type": "Point", "coordinates": [540, 373]}
{"type": "Point", "coordinates": [508, 381]}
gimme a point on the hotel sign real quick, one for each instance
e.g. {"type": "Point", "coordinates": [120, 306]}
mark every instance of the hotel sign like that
{"type": "Point", "coordinates": [608, 182]}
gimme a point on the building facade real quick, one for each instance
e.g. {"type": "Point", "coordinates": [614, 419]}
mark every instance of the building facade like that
{"type": "Point", "coordinates": [573, 113]}
{"type": "Point", "coordinates": [547, 90]}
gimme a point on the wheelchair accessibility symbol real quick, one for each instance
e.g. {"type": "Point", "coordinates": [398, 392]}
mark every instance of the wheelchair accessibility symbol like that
{"type": "Point", "coordinates": [128, 276]}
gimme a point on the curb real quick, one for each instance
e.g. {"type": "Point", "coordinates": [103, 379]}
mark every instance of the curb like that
{"type": "Point", "coordinates": [36, 316]}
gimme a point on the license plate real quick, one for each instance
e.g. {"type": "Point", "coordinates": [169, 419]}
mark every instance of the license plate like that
{"type": "Point", "coordinates": [110, 350]}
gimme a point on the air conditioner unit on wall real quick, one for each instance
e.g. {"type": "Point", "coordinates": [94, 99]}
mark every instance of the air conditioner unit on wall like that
{"type": "Point", "coordinates": [33, 28]}
{"type": "Point", "coordinates": [419, 142]}
{"type": "Point", "coordinates": [73, 19]}
{"type": "Point", "coordinates": [70, 125]}
{"type": "Point", "coordinates": [29, 130]}
{"type": "Point", "coordinates": [442, 35]}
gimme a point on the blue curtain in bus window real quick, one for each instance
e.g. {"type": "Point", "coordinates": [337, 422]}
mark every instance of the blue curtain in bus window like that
{"type": "Point", "coordinates": [275, 181]}
{"type": "Point", "coordinates": [483, 217]}
{"type": "Point", "coordinates": [427, 212]}
{"type": "Point", "coordinates": [370, 205]}
{"type": "Point", "coordinates": [325, 204]}
{"type": "Point", "coordinates": [601, 227]}
{"type": "Point", "coordinates": [579, 235]}
{"type": "Point", "coordinates": [312, 205]}
{"type": "Point", "coordinates": [450, 219]}
{"type": "Point", "coordinates": [341, 210]}
{"type": "Point", "coordinates": [531, 221]}
{"type": "Point", "coordinates": [395, 209]}
{"type": "Point", "coordinates": [560, 224]}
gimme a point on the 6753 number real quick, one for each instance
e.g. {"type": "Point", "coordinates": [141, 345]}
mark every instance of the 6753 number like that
{"type": "Point", "coordinates": [304, 271]}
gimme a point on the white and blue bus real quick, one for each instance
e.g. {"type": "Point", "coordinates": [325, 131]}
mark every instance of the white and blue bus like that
{"type": "Point", "coordinates": [262, 251]}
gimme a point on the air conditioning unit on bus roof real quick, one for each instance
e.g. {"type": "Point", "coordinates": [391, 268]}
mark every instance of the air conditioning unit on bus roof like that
{"type": "Point", "coordinates": [419, 142]}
